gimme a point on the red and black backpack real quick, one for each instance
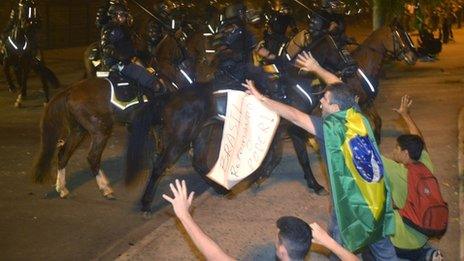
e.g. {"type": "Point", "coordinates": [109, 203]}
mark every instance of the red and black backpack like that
{"type": "Point", "coordinates": [424, 210]}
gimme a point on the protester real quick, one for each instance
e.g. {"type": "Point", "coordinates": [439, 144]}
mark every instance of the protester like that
{"type": "Point", "coordinates": [294, 237]}
{"type": "Point", "coordinates": [359, 226]}
{"type": "Point", "coordinates": [409, 243]}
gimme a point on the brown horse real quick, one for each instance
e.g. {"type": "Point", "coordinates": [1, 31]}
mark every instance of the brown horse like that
{"type": "Point", "coordinates": [85, 108]}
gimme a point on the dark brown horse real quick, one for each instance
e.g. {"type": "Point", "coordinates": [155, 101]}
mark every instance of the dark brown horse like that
{"type": "Point", "coordinates": [85, 108]}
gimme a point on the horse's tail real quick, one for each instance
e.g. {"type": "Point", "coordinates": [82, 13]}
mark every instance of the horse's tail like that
{"type": "Point", "coordinates": [51, 77]}
{"type": "Point", "coordinates": [51, 127]}
{"type": "Point", "coordinates": [138, 134]}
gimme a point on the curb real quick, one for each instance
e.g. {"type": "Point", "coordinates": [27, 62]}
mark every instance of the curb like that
{"type": "Point", "coordinates": [128, 247]}
{"type": "Point", "coordinates": [461, 178]}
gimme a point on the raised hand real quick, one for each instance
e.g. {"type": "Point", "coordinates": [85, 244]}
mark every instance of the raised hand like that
{"type": "Point", "coordinates": [320, 236]}
{"type": "Point", "coordinates": [406, 102]}
{"type": "Point", "coordinates": [180, 202]}
{"type": "Point", "coordinates": [250, 85]}
{"type": "Point", "coordinates": [306, 62]}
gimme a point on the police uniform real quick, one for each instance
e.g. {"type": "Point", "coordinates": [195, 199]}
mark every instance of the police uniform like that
{"type": "Point", "coordinates": [234, 46]}
{"type": "Point", "coordinates": [118, 51]}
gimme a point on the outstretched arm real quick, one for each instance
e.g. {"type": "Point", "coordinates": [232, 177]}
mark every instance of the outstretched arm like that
{"type": "Point", "coordinates": [403, 111]}
{"type": "Point", "coordinates": [306, 62]}
{"type": "Point", "coordinates": [321, 237]}
{"type": "Point", "coordinates": [181, 204]}
{"type": "Point", "coordinates": [293, 115]}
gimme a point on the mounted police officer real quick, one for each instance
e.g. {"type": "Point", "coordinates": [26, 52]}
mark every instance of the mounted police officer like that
{"type": "Point", "coordinates": [24, 16]}
{"type": "Point", "coordinates": [119, 53]}
{"type": "Point", "coordinates": [156, 28]}
{"type": "Point", "coordinates": [329, 20]}
{"type": "Point", "coordinates": [278, 20]}
{"type": "Point", "coordinates": [234, 45]}
{"type": "Point", "coordinates": [102, 17]}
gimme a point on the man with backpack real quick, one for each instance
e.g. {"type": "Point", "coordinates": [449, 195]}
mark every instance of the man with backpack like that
{"type": "Point", "coordinates": [420, 212]}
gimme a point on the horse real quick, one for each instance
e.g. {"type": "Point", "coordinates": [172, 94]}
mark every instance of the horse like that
{"type": "Point", "coordinates": [187, 123]}
{"type": "Point", "coordinates": [389, 42]}
{"type": "Point", "coordinates": [22, 53]}
{"type": "Point", "coordinates": [84, 108]}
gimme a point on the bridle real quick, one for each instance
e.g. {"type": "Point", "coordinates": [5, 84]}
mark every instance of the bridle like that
{"type": "Point", "coordinates": [401, 46]}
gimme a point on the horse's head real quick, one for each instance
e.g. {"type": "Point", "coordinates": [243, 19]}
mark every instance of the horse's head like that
{"type": "Point", "coordinates": [333, 57]}
{"type": "Point", "coordinates": [400, 46]}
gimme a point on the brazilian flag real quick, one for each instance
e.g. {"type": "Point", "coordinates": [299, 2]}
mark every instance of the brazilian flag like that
{"type": "Point", "coordinates": [361, 196]}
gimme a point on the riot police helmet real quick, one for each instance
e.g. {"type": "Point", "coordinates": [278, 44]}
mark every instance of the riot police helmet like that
{"type": "Point", "coordinates": [117, 9]}
{"type": "Point", "coordinates": [235, 13]}
{"type": "Point", "coordinates": [285, 9]}
{"type": "Point", "coordinates": [334, 6]}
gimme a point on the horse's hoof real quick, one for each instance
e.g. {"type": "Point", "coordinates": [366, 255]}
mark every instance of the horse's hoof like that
{"type": "Point", "coordinates": [64, 192]}
{"type": "Point", "coordinates": [110, 196]}
{"type": "Point", "coordinates": [17, 104]}
{"type": "Point", "coordinates": [147, 214]}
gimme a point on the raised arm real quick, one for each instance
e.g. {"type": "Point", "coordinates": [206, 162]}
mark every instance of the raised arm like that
{"type": "Point", "coordinates": [321, 237]}
{"type": "Point", "coordinates": [293, 115]}
{"type": "Point", "coordinates": [403, 111]}
{"type": "Point", "coordinates": [306, 62]}
{"type": "Point", "coordinates": [181, 204]}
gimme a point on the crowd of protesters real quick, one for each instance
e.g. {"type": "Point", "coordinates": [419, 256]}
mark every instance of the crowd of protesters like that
{"type": "Point", "coordinates": [433, 24]}
{"type": "Point", "coordinates": [398, 239]}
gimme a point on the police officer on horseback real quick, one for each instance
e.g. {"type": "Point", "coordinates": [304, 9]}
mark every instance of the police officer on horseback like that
{"type": "Point", "coordinates": [156, 28]}
{"type": "Point", "coordinates": [234, 45]}
{"type": "Point", "coordinates": [329, 20]}
{"type": "Point", "coordinates": [119, 52]}
{"type": "Point", "coordinates": [102, 17]}
{"type": "Point", "coordinates": [278, 20]}
{"type": "Point", "coordinates": [24, 14]}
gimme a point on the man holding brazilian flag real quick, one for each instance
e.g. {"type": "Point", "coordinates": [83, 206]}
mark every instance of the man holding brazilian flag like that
{"type": "Point", "coordinates": [362, 214]}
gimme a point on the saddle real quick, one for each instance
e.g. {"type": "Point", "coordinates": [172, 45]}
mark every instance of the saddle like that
{"type": "Point", "coordinates": [124, 93]}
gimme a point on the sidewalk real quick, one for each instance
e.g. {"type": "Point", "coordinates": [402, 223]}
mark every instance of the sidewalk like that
{"type": "Point", "coordinates": [245, 225]}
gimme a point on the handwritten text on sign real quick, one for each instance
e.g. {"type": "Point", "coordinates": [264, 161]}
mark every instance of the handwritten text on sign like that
{"type": "Point", "coordinates": [249, 128]}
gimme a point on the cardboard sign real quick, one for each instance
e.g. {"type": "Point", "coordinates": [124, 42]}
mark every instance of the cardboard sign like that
{"type": "Point", "coordinates": [249, 128]}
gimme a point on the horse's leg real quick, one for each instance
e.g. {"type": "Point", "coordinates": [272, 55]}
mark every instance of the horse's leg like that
{"type": "Point", "coordinates": [38, 68]}
{"type": "Point", "coordinates": [272, 159]}
{"type": "Point", "coordinates": [99, 127]}
{"type": "Point", "coordinates": [299, 138]}
{"type": "Point", "coordinates": [66, 149]}
{"type": "Point", "coordinates": [99, 139]}
{"type": "Point", "coordinates": [165, 160]}
{"type": "Point", "coordinates": [7, 72]}
{"type": "Point", "coordinates": [20, 79]}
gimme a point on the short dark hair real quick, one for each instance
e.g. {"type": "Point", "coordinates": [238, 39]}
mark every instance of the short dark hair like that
{"type": "Point", "coordinates": [342, 95]}
{"type": "Point", "coordinates": [412, 143]}
{"type": "Point", "coordinates": [295, 235]}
